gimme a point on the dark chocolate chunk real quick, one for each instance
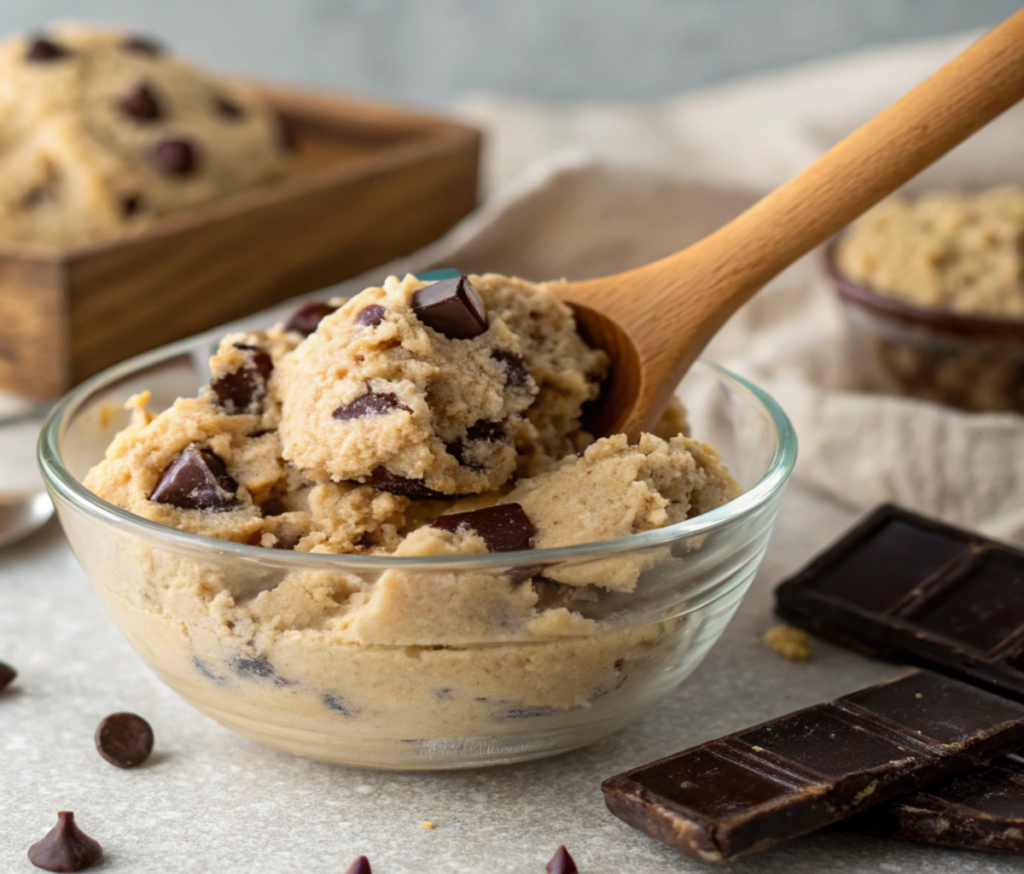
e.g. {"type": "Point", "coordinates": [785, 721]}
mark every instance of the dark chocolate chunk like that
{"type": "Point", "coordinates": [242, 390]}
{"type": "Point", "coordinates": [982, 809]}
{"type": "Point", "coordinates": [338, 705]}
{"type": "Point", "coordinates": [370, 316]}
{"type": "Point", "coordinates": [132, 204]}
{"type": "Point", "coordinates": [516, 374]}
{"type": "Point", "coordinates": [143, 45]}
{"type": "Point", "coordinates": [65, 848]}
{"type": "Point", "coordinates": [503, 527]}
{"type": "Point", "coordinates": [305, 319]}
{"type": "Point", "coordinates": [561, 863]}
{"type": "Point", "coordinates": [228, 108]}
{"type": "Point", "coordinates": [42, 49]}
{"type": "Point", "coordinates": [371, 404]}
{"type": "Point", "coordinates": [7, 675]}
{"type": "Point", "coordinates": [177, 157]}
{"type": "Point", "coordinates": [385, 481]}
{"type": "Point", "coordinates": [485, 431]}
{"type": "Point", "coordinates": [359, 866]}
{"type": "Point", "coordinates": [787, 777]}
{"type": "Point", "coordinates": [141, 104]}
{"type": "Point", "coordinates": [124, 739]}
{"type": "Point", "coordinates": [451, 307]}
{"type": "Point", "coordinates": [915, 590]}
{"type": "Point", "coordinates": [196, 480]}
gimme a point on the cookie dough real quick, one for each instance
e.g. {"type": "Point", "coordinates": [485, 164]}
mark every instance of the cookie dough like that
{"type": "Point", "coordinates": [102, 131]}
{"type": "Point", "coordinates": [949, 250]}
{"type": "Point", "coordinates": [396, 653]}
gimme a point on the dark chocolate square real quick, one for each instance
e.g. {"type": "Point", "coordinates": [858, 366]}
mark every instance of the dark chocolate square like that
{"type": "Point", "coordinates": [944, 710]}
{"type": "Point", "coordinates": [825, 743]}
{"type": "Point", "coordinates": [982, 605]}
{"type": "Point", "coordinates": [710, 784]}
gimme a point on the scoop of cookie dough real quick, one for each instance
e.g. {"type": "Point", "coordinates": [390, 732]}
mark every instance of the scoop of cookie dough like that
{"type": "Point", "coordinates": [432, 389]}
{"type": "Point", "coordinates": [102, 131]}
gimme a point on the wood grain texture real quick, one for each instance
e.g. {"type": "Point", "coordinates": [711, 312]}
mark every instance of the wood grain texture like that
{"type": "Point", "coordinates": [369, 183]}
{"type": "Point", "coordinates": [655, 320]}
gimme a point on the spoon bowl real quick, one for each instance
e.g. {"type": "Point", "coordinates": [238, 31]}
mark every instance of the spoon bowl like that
{"type": "Point", "coordinates": [22, 514]}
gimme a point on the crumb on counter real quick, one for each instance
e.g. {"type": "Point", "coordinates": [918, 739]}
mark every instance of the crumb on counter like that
{"type": "Point", "coordinates": [427, 824]}
{"type": "Point", "coordinates": [791, 643]}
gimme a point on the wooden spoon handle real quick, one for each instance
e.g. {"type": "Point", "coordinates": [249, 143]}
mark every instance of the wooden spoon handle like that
{"type": "Point", "coordinates": [944, 110]}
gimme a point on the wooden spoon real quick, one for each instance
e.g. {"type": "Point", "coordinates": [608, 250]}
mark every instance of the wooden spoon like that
{"type": "Point", "coordinates": [655, 320]}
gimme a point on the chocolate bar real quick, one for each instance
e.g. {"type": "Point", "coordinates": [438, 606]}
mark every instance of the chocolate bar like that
{"type": "Point", "coordinates": [758, 787]}
{"type": "Point", "coordinates": [915, 590]}
{"type": "Point", "coordinates": [982, 809]}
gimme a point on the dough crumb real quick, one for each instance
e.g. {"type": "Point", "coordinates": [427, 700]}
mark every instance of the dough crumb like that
{"type": "Point", "coordinates": [427, 824]}
{"type": "Point", "coordinates": [790, 643]}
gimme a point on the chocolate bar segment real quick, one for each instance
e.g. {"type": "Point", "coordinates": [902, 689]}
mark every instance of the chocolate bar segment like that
{"type": "Point", "coordinates": [914, 590]}
{"type": "Point", "coordinates": [982, 809]}
{"type": "Point", "coordinates": [758, 787]}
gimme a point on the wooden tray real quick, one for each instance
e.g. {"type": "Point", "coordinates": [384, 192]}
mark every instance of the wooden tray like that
{"type": "Point", "coordinates": [369, 183]}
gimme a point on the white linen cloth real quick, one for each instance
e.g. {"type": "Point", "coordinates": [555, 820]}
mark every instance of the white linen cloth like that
{"type": "Point", "coordinates": [600, 188]}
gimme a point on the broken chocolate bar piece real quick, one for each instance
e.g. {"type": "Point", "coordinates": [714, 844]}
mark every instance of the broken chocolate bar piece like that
{"type": "Point", "coordinates": [242, 390]}
{"type": "Point", "coordinates": [386, 481]}
{"type": "Point", "coordinates": [982, 809]}
{"type": "Point", "coordinates": [196, 480]}
{"type": "Point", "coordinates": [372, 403]}
{"type": "Point", "coordinates": [787, 777]}
{"type": "Point", "coordinates": [503, 528]}
{"type": "Point", "coordinates": [451, 307]}
{"type": "Point", "coordinates": [915, 590]}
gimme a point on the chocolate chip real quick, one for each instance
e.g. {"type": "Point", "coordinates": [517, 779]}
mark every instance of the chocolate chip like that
{"type": "Point", "coordinates": [43, 49]}
{"type": "Point", "coordinates": [7, 675]}
{"type": "Point", "coordinates": [132, 204]}
{"type": "Point", "coordinates": [489, 432]}
{"type": "Point", "coordinates": [141, 103]}
{"type": "Point", "coordinates": [65, 848]}
{"type": "Point", "coordinates": [256, 667]}
{"type": "Point", "coordinates": [516, 374]}
{"type": "Point", "coordinates": [338, 705]}
{"type": "Point", "coordinates": [359, 866]}
{"type": "Point", "coordinates": [562, 863]}
{"type": "Point", "coordinates": [451, 307]}
{"type": "Point", "coordinates": [504, 527]}
{"type": "Point", "coordinates": [286, 136]}
{"type": "Point", "coordinates": [371, 316]}
{"type": "Point", "coordinates": [241, 391]}
{"type": "Point", "coordinates": [124, 739]}
{"type": "Point", "coordinates": [177, 157]}
{"type": "Point", "coordinates": [385, 481]}
{"type": "Point", "coordinates": [372, 403]}
{"type": "Point", "coordinates": [228, 108]}
{"type": "Point", "coordinates": [196, 480]}
{"type": "Point", "coordinates": [143, 45]}
{"type": "Point", "coordinates": [306, 318]}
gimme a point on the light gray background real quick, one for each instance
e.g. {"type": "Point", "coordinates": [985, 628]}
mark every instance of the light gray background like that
{"type": "Point", "coordinates": [434, 50]}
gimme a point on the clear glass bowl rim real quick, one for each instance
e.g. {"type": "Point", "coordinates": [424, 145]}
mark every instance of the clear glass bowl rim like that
{"type": "Point", "coordinates": [64, 483]}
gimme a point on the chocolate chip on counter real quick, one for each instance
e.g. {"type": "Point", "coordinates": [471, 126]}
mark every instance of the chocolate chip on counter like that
{"type": "Point", "coordinates": [196, 480]}
{"type": "Point", "coordinates": [516, 374]}
{"type": "Point", "coordinates": [562, 863]}
{"type": "Point", "coordinates": [383, 480]}
{"type": "Point", "coordinates": [7, 675]}
{"type": "Point", "coordinates": [503, 527]}
{"type": "Point", "coordinates": [143, 45]}
{"type": "Point", "coordinates": [65, 848]}
{"type": "Point", "coordinates": [359, 866]}
{"type": "Point", "coordinates": [241, 391]}
{"type": "Point", "coordinates": [451, 307]}
{"type": "Point", "coordinates": [370, 316]}
{"type": "Point", "coordinates": [131, 204]}
{"type": "Point", "coordinates": [124, 739]}
{"type": "Point", "coordinates": [177, 157]}
{"type": "Point", "coordinates": [372, 403]}
{"type": "Point", "coordinates": [306, 318]}
{"type": "Point", "coordinates": [43, 49]}
{"type": "Point", "coordinates": [141, 103]}
{"type": "Point", "coordinates": [228, 108]}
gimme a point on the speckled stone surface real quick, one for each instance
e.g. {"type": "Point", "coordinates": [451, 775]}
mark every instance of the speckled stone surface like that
{"type": "Point", "coordinates": [209, 801]}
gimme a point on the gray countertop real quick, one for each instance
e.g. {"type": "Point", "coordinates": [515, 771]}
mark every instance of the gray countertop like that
{"type": "Point", "coordinates": [212, 802]}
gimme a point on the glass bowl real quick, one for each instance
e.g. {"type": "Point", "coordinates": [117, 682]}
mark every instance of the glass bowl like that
{"type": "Point", "coordinates": [447, 695]}
{"type": "Point", "coordinates": [974, 363]}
